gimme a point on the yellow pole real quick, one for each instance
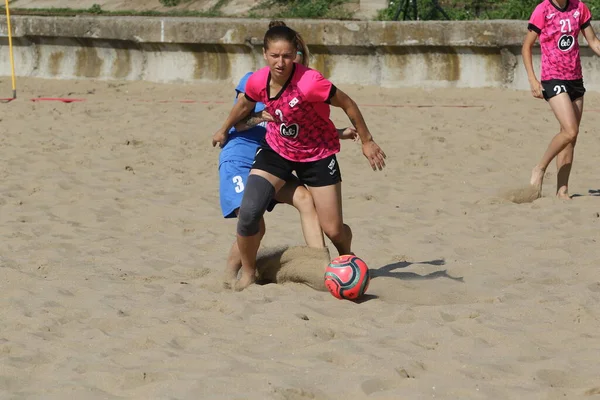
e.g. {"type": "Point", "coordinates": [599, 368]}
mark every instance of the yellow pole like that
{"type": "Point", "coordinates": [10, 49]}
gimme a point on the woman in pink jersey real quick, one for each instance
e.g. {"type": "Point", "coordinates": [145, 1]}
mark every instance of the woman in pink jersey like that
{"type": "Point", "coordinates": [301, 139]}
{"type": "Point", "coordinates": [558, 23]}
{"type": "Point", "coordinates": [235, 163]}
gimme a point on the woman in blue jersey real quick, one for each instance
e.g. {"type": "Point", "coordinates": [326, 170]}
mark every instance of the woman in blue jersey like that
{"type": "Point", "coordinates": [235, 162]}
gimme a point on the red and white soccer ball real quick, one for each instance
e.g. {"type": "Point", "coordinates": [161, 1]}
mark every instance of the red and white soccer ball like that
{"type": "Point", "coordinates": [347, 277]}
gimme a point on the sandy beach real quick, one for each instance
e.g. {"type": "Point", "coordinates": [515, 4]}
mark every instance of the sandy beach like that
{"type": "Point", "coordinates": [113, 246]}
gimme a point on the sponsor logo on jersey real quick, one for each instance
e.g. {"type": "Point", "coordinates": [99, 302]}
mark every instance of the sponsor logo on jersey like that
{"type": "Point", "coordinates": [290, 131]}
{"type": "Point", "coordinates": [566, 42]}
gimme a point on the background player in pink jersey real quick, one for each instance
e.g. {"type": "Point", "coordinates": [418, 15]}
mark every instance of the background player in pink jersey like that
{"type": "Point", "coordinates": [302, 139]}
{"type": "Point", "coordinates": [557, 23]}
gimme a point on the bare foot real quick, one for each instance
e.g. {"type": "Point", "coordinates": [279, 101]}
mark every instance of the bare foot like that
{"type": "Point", "coordinates": [563, 195]}
{"type": "Point", "coordinates": [537, 177]}
{"type": "Point", "coordinates": [244, 281]}
{"type": "Point", "coordinates": [230, 276]}
{"type": "Point", "coordinates": [536, 181]}
{"type": "Point", "coordinates": [228, 283]}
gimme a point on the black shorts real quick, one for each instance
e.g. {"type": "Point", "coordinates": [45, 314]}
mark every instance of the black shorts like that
{"type": "Point", "coordinates": [555, 87]}
{"type": "Point", "coordinates": [323, 172]}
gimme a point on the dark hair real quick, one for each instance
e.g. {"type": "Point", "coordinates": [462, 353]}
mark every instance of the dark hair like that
{"type": "Point", "coordinates": [276, 23]}
{"type": "Point", "coordinates": [302, 48]}
{"type": "Point", "coordinates": [278, 30]}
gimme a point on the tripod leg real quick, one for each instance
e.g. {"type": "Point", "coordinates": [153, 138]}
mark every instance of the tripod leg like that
{"type": "Point", "coordinates": [407, 10]}
{"type": "Point", "coordinates": [440, 9]}
{"type": "Point", "coordinates": [415, 12]}
{"type": "Point", "coordinates": [398, 10]}
{"type": "Point", "coordinates": [402, 8]}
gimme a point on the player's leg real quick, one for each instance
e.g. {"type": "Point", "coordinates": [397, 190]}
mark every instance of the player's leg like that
{"type": "Point", "coordinates": [232, 182]}
{"type": "Point", "coordinates": [564, 111]}
{"type": "Point", "coordinates": [328, 203]}
{"type": "Point", "coordinates": [234, 260]}
{"type": "Point", "coordinates": [234, 263]}
{"type": "Point", "coordinates": [294, 193]}
{"type": "Point", "coordinates": [259, 193]}
{"type": "Point", "coordinates": [564, 160]}
{"type": "Point", "coordinates": [266, 178]}
{"type": "Point", "coordinates": [324, 180]}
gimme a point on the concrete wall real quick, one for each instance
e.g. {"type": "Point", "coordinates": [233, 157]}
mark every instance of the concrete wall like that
{"type": "Point", "coordinates": [367, 9]}
{"type": "Point", "coordinates": [391, 54]}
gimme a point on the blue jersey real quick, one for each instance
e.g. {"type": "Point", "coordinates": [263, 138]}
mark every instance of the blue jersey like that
{"type": "Point", "coordinates": [242, 146]}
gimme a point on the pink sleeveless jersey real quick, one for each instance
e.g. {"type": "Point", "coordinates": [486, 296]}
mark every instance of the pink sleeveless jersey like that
{"type": "Point", "coordinates": [559, 31]}
{"type": "Point", "coordinates": [302, 130]}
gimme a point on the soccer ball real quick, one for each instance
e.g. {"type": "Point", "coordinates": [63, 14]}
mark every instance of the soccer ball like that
{"type": "Point", "coordinates": [347, 277]}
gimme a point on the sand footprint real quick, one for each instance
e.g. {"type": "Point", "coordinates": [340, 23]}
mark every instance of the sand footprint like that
{"type": "Point", "coordinates": [594, 287]}
{"type": "Point", "coordinates": [427, 344]}
{"type": "Point", "coordinates": [557, 378]}
{"type": "Point", "coordinates": [324, 334]}
{"type": "Point", "coordinates": [520, 195]}
{"type": "Point", "coordinates": [375, 385]}
{"type": "Point", "coordinates": [136, 379]}
{"type": "Point", "coordinates": [34, 359]}
{"type": "Point", "coordinates": [295, 394]}
{"type": "Point", "coordinates": [343, 357]}
{"type": "Point", "coordinates": [592, 391]}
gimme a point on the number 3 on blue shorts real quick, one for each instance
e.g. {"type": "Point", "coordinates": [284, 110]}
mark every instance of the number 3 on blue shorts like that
{"type": "Point", "coordinates": [239, 184]}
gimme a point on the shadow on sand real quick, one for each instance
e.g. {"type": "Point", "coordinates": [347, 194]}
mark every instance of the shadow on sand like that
{"type": "Point", "coordinates": [389, 271]}
{"type": "Point", "coordinates": [591, 192]}
{"type": "Point", "coordinates": [301, 264]}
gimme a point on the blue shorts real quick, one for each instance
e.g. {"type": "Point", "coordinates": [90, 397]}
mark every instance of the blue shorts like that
{"type": "Point", "coordinates": [232, 181]}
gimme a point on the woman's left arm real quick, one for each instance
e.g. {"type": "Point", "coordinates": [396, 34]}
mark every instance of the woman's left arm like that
{"type": "Point", "coordinates": [371, 150]}
{"type": "Point", "coordinates": [343, 101]}
{"type": "Point", "coordinates": [591, 39]}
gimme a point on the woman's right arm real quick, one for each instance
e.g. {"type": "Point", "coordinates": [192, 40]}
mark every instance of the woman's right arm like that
{"type": "Point", "coordinates": [526, 52]}
{"type": "Point", "coordinates": [252, 119]}
{"type": "Point", "coordinates": [242, 108]}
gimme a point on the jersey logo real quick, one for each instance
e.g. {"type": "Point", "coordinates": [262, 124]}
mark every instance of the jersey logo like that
{"type": "Point", "coordinates": [293, 102]}
{"type": "Point", "coordinates": [566, 42]}
{"type": "Point", "coordinates": [576, 14]}
{"type": "Point", "coordinates": [289, 131]}
{"type": "Point", "coordinates": [549, 16]}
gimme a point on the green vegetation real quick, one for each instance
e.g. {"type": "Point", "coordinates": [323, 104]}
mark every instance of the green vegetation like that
{"type": "Point", "coordinates": [334, 9]}
{"type": "Point", "coordinates": [97, 10]}
{"type": "Point", "coordinates": [170, 3]}
{"type": "Point", "coordinates": [467, 9]}
{"type": "Point", "coordinates": [330, 9]}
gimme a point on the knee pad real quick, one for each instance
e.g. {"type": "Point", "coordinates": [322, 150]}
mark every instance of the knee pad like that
{"type": "Point", "coordinates": [257, 195]}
